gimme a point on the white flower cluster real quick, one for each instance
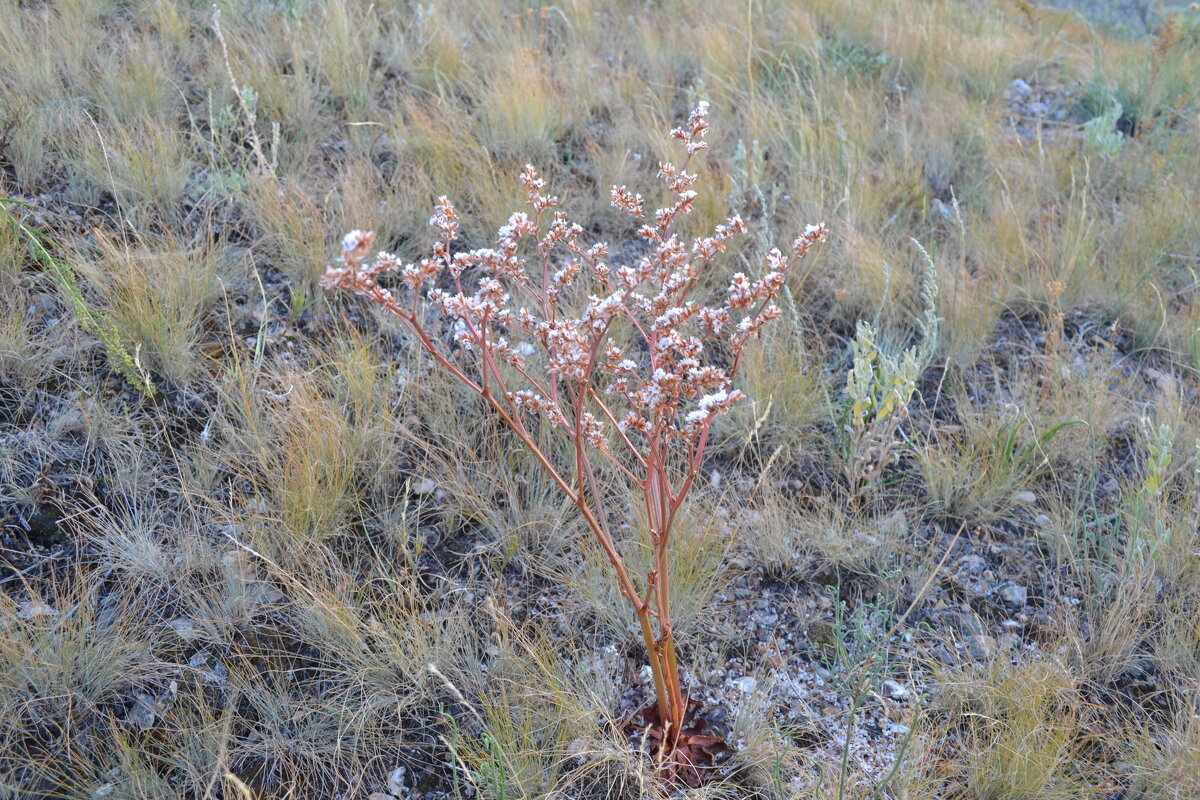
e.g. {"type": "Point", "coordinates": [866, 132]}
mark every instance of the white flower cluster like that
{"type": "Point", "coordinates": [660, 388]}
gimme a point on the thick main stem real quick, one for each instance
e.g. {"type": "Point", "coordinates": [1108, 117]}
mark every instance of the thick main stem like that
{"type": "Point", "coordinates": [670, 700]}
{"type": "Point", "coordinates": [660, 650]}
{"type": "Point", "coordinates": [663, 668]}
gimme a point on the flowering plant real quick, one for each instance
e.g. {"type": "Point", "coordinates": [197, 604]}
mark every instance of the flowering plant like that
{"type": "Point", "coordinates": [619, 359]}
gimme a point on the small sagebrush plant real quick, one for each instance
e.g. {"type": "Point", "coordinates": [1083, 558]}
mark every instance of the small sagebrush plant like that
{"type": "Point", "coordinates": [879, 387]}
{"type": "Point", "coordinates": [618, 360]}
{"type": "Point", "coordinates": [1150, 528]}
{"type": "Point", "coordinates": [1100, 134]}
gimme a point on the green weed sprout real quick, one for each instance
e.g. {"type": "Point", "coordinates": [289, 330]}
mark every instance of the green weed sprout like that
{"type": "Point", "coordinates": [93, 321]}
{"type": "Point", "coordinates": [879, 387]}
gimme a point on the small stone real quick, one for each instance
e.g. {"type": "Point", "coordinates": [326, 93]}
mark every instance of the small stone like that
{"type": "Point", "coordinates": [821, 633]}
{"type": "Point", "coordinates": [381, 796]}
{"type": "Point", "coordinates": [894, 690]}
{"type": "Point", "coordinates": [894, 525]}
{"type": "Point", "coordinates": [1164, 380]}
{"type": "Point", "coordinates": [578, 748]}
{"type": "Point", "coordinates": [185, 628]}
{"type": "Point", "coordinates": [1024, 498]}
{"type": "Point", "coordinates": [269, 594]}
{"type": "Point", "coordinates": [739, 561]}
{"type": "Point", "coordinates": [944, 211]}
{"type": "Point", "coordinates": [747, 684]}
{"type": "Point", "coordinates": [33, 609]}
{"type": "Point", "coordinates": [1019, 90]}
{"type": "Point", "coordinates": [944, 654]}
{"type": "Point", "coordinates": [423, 486]}
{"type": "Point", "coordinates": [981, 646]}
{"type": "Point", "coordinates": [104, 790]}
{"type": "Point", "coordinates": [970, 623]}
{"type": "Point", "coordinates": [238, 565]}
{"type": "Point", "coordinates": [141, 714]}
{"type": "Point", "coordinates": [395, 782]}
{"type": "Point", "coordinates": [218, 674]}
{"type": "Point", "coordinates": [1009, 641]}
{"type": "Point", "coordinates": [69, 424]}
{"type": "Point", "coordinates": [766, 619]}
{"type": "Point", "coordinates": [973, 564]}
{"type": "Point", "coordinates": [1014, 595]}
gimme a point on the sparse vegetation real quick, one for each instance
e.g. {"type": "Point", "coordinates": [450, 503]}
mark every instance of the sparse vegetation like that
{"type": "Point", "coordinates": [252, 544]}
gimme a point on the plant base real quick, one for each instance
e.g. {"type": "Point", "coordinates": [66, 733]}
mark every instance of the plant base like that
{"type": "Point", "coordinates": [689, 759]}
